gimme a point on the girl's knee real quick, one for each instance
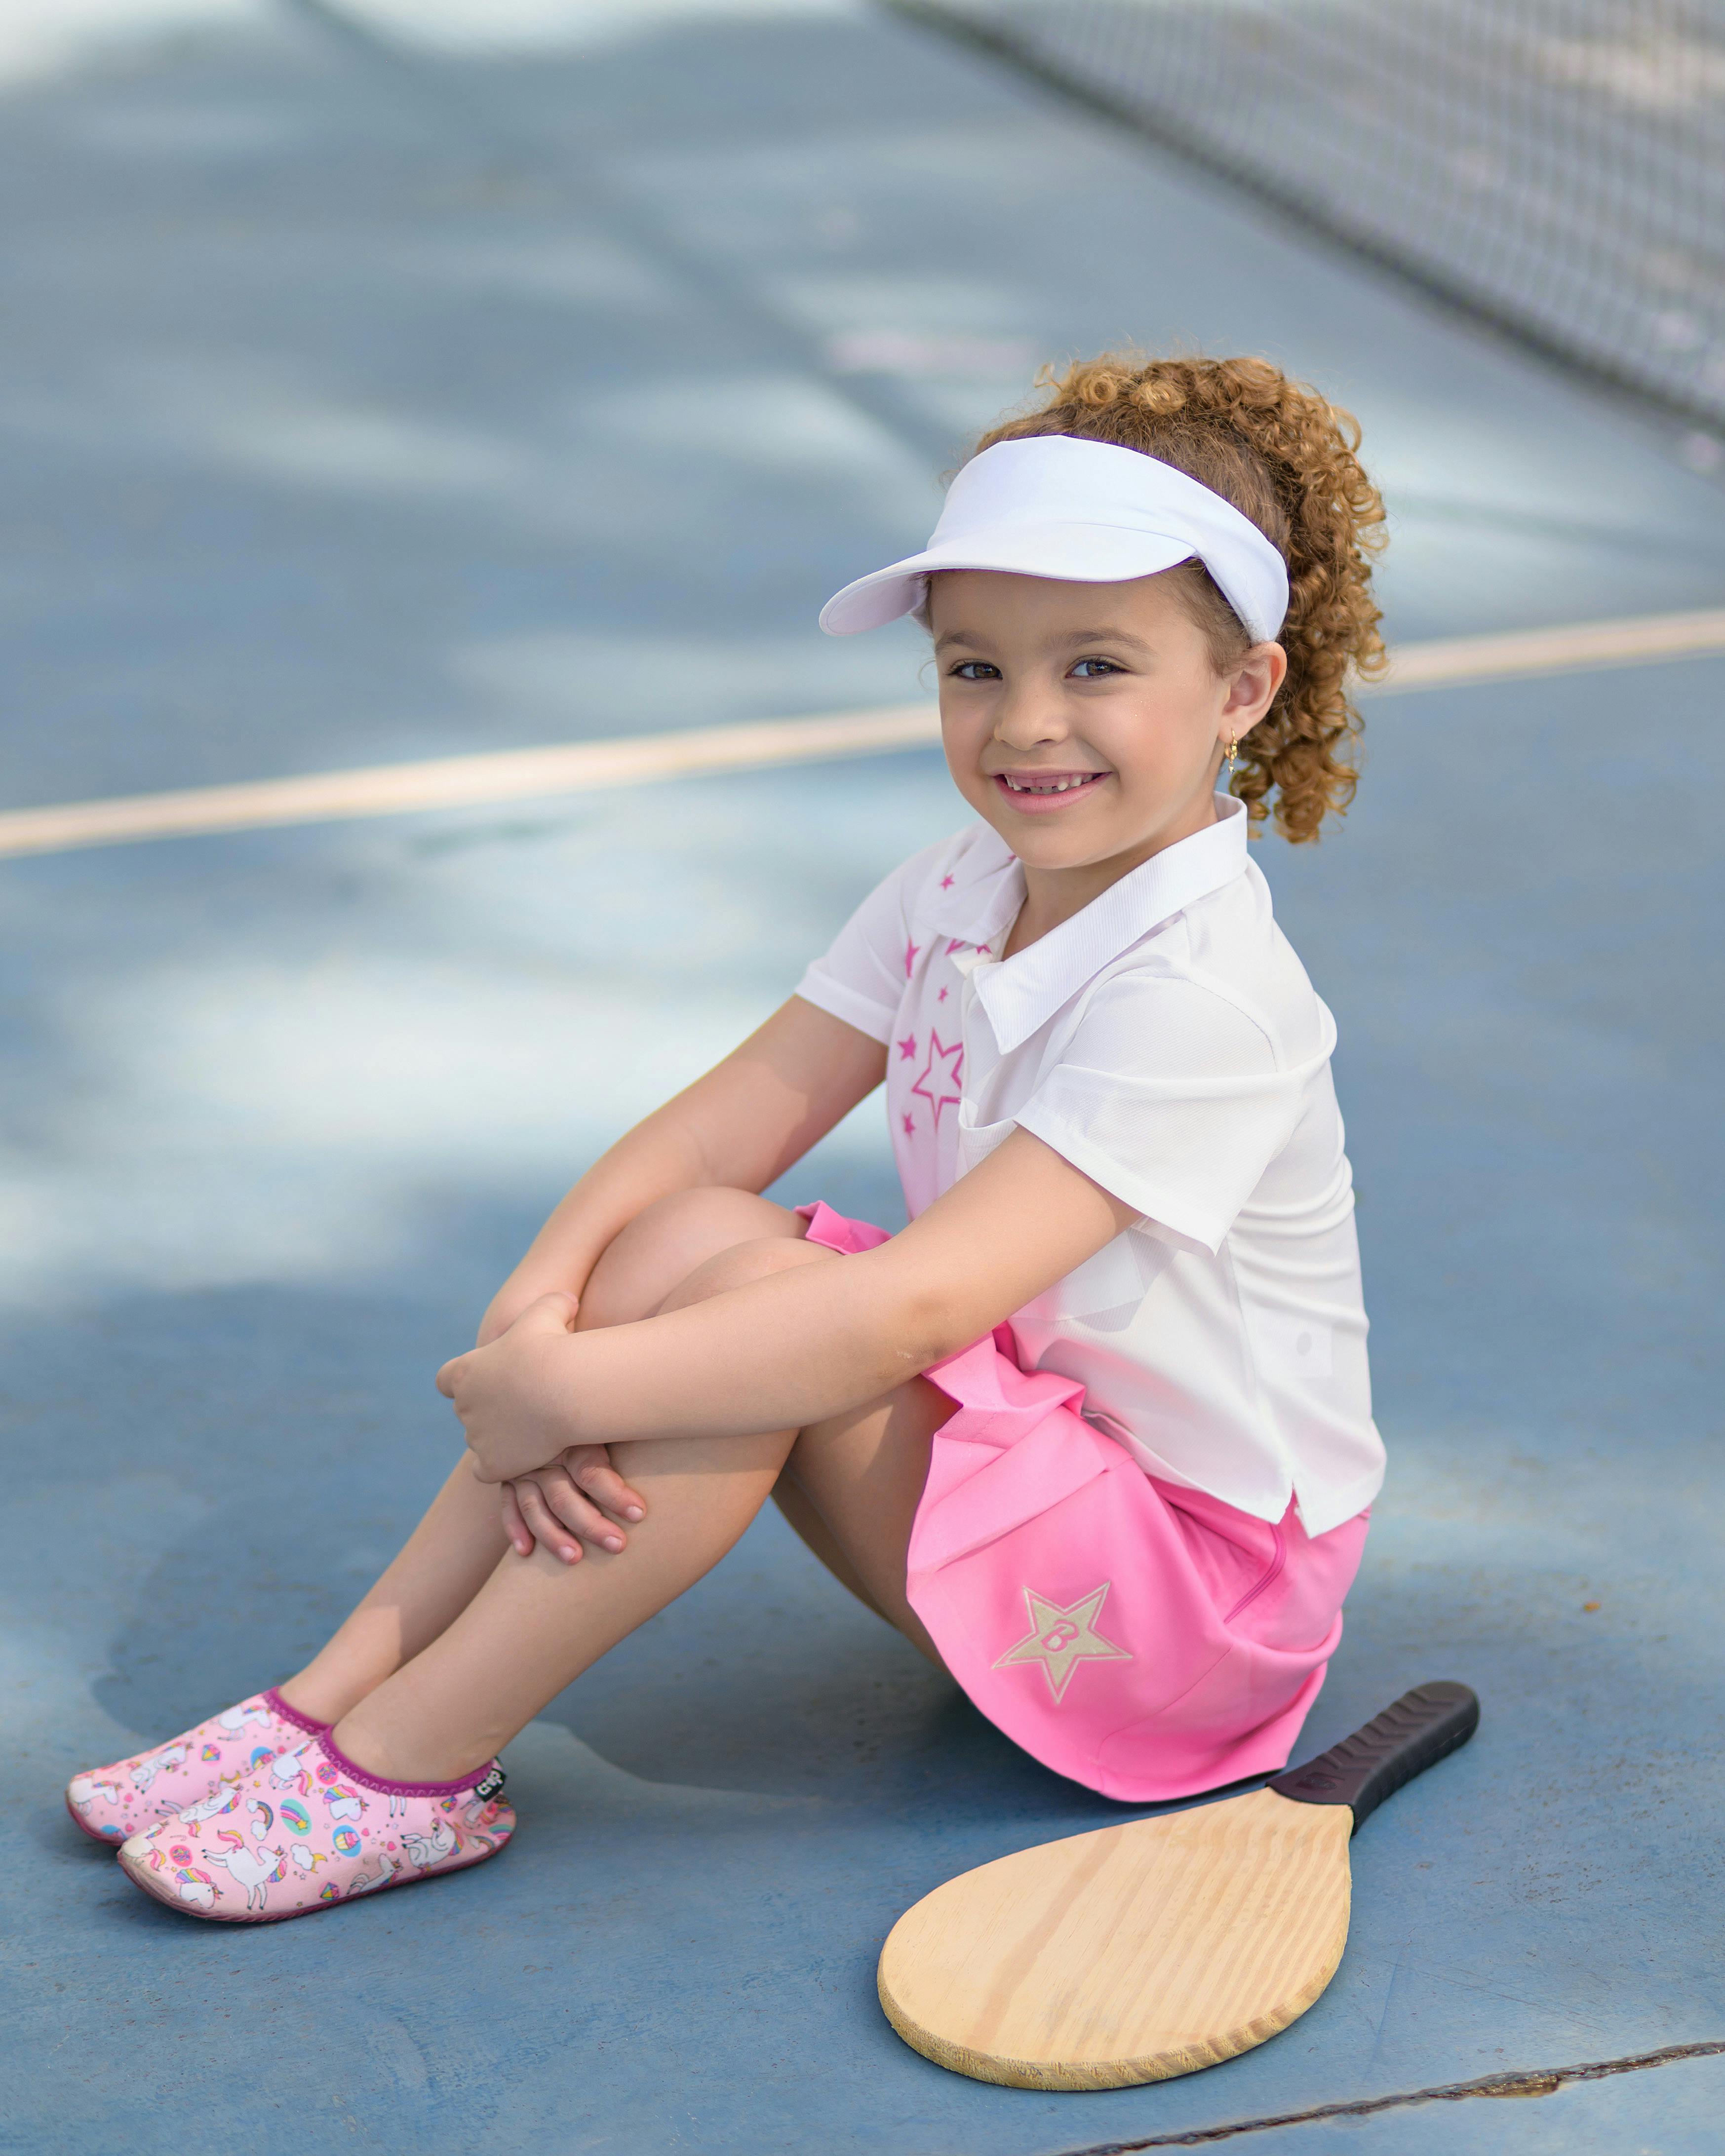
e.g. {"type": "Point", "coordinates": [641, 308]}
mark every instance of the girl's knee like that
{"type": "Point", "coordinates": [743, 1262]}
{"type": "Point", "coordinates": [669, 1239]}
{"type": "Point", "coordinates": [711, 1220]}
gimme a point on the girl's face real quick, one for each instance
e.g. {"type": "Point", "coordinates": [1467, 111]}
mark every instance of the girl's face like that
{"type": "Point", "coordinates": [1086, 722]}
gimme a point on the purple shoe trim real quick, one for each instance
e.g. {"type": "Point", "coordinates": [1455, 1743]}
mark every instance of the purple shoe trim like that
{"type": "Point", "coordinates": [403, 1788]}
{"type": "Point", "coordinates": [278, 1706]}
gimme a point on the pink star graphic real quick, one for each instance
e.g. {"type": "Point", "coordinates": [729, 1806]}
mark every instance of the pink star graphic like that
{"type": "Point", "coordinates": [910, 950]}
{"type": "Point", "coordinates": [944, 1092]}
{"type": "Point", "coordinates": [946, 883]}
{"type": "Point", "coordinates": [910, 1126]}
{"type": "Point", "coordinates": [982, 949]}
{"type": "Point", "coordinates": [942, 997]}
{"type": "Point", "coordinates": [957, 944]}
{"type": "Point", "coordinates": [908, 1048]}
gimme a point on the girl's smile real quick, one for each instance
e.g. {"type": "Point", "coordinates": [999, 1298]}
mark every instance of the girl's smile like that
{"type": "Point", "coordinates": [1042, 793]}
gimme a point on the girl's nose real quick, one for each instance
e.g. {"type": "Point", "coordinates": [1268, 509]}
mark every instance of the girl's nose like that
{"type": "Point", "coordinates": [1029, 717]}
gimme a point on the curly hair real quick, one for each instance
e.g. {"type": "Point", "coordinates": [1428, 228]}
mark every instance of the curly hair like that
{"type": "Point", "coordinates": [1284, 457]}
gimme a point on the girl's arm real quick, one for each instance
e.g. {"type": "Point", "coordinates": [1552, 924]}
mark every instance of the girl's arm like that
{"type": "Point", "coordinates": [742, 1125]}
{"type": "Point", "coordinates": [802, 1345]}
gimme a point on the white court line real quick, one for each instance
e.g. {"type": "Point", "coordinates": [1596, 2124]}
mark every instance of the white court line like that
{"type": "Point", "coordinates": [1457, 661]}
{"type": "Point", "coordinates": [394, 789]}
{"type": "Point", "coordinates": [455, 781]}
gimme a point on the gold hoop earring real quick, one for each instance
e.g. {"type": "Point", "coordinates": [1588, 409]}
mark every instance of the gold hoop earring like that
{"type": "Point", "coordinates": [1233, 750]}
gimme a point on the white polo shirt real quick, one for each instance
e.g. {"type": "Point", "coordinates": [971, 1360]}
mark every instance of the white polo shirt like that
{"type": "Point", "coordinates": [1167, 1041]}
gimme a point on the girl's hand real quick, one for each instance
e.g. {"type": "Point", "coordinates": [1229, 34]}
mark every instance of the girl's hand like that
{"type": "Point", "coordinates": [509, 1303]}
{"type": "Point", "coordinates": [513, 1397]}
{"type": "Point", "coordinates": [578, 1498]}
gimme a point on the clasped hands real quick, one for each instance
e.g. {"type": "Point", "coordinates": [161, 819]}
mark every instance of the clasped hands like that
{"type": "Point", "coordinates": [512, 1396]}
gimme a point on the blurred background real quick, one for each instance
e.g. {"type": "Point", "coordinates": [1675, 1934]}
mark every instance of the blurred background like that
{"type": "Point", "coordinates": [396, 380]}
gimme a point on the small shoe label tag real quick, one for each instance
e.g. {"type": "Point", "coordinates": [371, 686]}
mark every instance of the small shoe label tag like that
{"type": "Point", "coordinates": [485, 1790]}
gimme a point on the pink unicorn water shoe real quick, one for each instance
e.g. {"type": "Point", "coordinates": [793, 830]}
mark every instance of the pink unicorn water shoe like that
{"type": "Point", "coordinates": [308, 1829]}
{"type": "Point", "coordinates": [187, 1772]}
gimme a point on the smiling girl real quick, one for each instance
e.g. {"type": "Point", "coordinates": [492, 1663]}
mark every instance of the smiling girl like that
{"type": "Point", "coordinates": [1094, 1430]}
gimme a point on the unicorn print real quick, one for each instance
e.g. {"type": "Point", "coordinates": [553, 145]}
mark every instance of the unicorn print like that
{"type": "Point", "coordinates": [426, 1850]}
{"type": "Point", "coordinates": [243, 1716]}
{"type": "Point", "coordinates": [277, 1854]}
{"type": "Point", "coordinates": [191, 1885]}
{"type": "Point", "coordinates": [381, 1877]}
{"type": "Point", "coordinates": [287, 1773]}
{"type": "Point", "coordinates": [195, 1887]}
{"type": "Point", "coordinates": [221, 1798]}
{"type": "Point", "coordinates": [146, 1771]}
{"type": "Point", "coordinates": [253, 1870]}
{"type": "Point", "coordinates": [84, 1790]}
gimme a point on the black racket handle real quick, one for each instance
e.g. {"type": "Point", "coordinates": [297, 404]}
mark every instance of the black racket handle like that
{"type": "Point", "coordinates": [1425, 1725]}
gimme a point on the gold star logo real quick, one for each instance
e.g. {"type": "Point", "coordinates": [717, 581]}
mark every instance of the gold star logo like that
{"type": "Point", "coordinates": [1061, 1638]}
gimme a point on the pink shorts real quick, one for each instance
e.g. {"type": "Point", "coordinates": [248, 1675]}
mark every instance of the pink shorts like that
{"type": "Point", "coordinates": [1148, 1641]}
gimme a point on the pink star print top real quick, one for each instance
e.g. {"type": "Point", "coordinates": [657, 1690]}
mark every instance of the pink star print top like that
{"type": "Point", "coordinates": [1167, 1041]}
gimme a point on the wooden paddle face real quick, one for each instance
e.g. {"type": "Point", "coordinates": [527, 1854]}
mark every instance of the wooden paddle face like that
{"type": "Point", "coordinates": [1132, 1954]}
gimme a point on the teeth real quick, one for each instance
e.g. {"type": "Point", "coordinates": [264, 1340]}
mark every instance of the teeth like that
{"type": "Point", "coordinates": [1057, 786]}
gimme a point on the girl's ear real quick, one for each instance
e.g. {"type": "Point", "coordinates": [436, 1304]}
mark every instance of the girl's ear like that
{"type": "Point", "coordinates": [1252, 684]}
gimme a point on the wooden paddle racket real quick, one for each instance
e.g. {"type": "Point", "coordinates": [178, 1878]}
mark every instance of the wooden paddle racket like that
{"type": "Point", "coordinates": [1157, 1947]}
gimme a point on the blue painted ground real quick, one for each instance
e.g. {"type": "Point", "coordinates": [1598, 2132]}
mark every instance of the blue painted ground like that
{"type": "Point", "coordinates": [359, 405]}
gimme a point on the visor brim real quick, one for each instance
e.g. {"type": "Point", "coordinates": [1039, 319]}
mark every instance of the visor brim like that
{"type": "Point", "coordinates": [1063, 553]}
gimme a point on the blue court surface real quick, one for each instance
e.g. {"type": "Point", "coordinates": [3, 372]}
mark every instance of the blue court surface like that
{"type": "Point", "coordinates": [368, 397]}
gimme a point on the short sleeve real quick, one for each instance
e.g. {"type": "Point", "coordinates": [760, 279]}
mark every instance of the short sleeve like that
{"type": "Point", "coordinates": [861, 978]}
{"type": "Point", "coordinates": [1173, 1098]}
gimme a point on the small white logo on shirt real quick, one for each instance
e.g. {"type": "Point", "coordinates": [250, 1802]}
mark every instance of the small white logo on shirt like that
{"type": "Point", "coordinates": [1303, 1345]}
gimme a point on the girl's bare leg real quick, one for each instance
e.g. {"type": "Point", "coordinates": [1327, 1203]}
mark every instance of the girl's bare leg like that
{"type": "Point", "coordinates": [458, 1543]}
{"type": "Point", "coordinates": [860, 1476]}
{"type": "Point", "coordinates": [537, 1623]}
{"type": "Point", "coordinates": [813, 1532]}
{"type": "Point", "coordinates": [446, 1560]}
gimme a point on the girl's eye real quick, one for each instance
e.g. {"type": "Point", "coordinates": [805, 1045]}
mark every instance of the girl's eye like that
{"type": "Point", "coordinates": [975, 670]}
{"type": "Point", "coordinates": [1094, 670]}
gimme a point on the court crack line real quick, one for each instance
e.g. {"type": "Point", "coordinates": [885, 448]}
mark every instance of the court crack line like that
{"type": "Point", "coordinates": [1544, 2080]}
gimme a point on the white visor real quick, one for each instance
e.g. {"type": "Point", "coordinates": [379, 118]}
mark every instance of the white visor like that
{"type": "Point", "coordinates": [1085, 513]}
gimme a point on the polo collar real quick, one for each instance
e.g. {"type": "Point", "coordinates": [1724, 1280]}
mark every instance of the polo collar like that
{"type": "Point", "coordinates": [1023, 993]}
